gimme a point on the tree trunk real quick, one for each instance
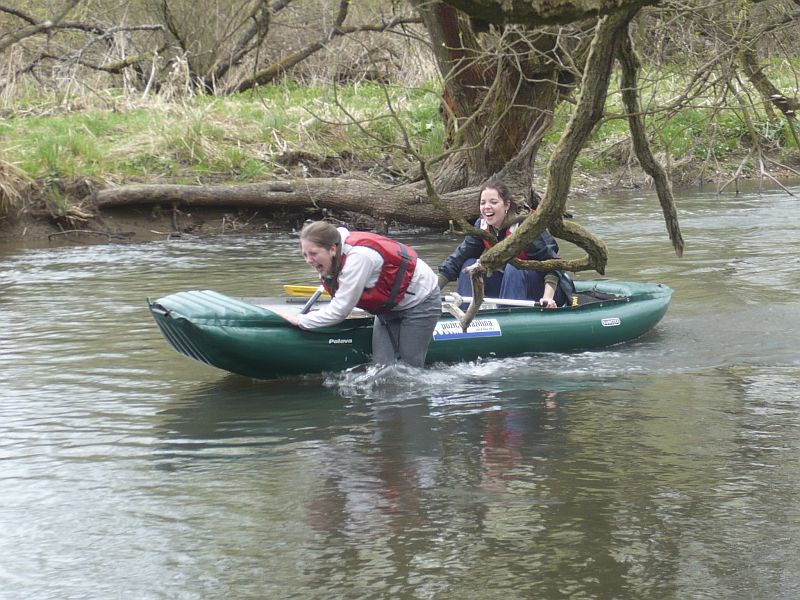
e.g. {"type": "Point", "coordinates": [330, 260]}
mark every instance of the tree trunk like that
{"type": "Point", "coordinates": [501, 89]}
{"type": "Point", "coordinates": [406, 204]}
{"type": "Point", "coordinates": [610, 32]}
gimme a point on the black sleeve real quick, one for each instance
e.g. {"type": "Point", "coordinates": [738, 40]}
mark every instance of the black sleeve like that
{"type": "Point", "coordinates": [543, 247]}
{"type": "Point", "coordinates": [471, 247]}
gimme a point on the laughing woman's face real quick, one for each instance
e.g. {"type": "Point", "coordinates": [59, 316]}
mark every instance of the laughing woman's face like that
{"type": "Point", "coordinates": [493, 207]}
{"type": "Point", "coordinates": [318, 257]}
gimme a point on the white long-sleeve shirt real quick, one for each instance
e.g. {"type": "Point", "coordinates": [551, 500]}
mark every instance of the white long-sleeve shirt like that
{"type": "Point", "coordinates": [361, 270]}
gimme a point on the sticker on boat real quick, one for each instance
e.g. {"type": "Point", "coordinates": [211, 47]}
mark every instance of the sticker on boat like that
{"type": "Point", "coordinates": [451, 330]}
{"type": "Point", "coordinates": [610, 322]}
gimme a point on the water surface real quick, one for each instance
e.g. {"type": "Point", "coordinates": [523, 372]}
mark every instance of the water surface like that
{"type": "Point", "coordinates": [664, 468]}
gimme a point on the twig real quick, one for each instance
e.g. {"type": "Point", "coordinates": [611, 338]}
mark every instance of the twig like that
{"type": "Point", "coordinates": [771, 176]}
{"type": "Point", "coordinates": [781, 165]}
{"type": "Point", "coordinates": [81, 231]}
{"type": "Point", "coordinates": [736, 175]}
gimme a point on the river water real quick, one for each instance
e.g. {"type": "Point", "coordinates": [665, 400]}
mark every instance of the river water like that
{"type": "Point", "coordinates": [665, 468]}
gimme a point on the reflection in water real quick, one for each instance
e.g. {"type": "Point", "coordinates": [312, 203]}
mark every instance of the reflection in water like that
{"type": "Point", "coordinates": [663, 468]}
{"type": "Point", "coordinates": [383, 481]}
{"type": "Point", "coordinates": [392, 487]}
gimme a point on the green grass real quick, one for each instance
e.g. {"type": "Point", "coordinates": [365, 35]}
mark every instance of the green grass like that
{"type": "Point", "coordinates": [64, 148]}
{"type": "Point", "coordinates": [236, 138]}
{"type": "Point", "coordinates": [239, 138]}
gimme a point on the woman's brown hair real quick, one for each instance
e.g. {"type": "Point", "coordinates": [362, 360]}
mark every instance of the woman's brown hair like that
{"type": "Point", "coordinates": [502, 190]}
{"type": "Point", "coordinates": [325, 235]}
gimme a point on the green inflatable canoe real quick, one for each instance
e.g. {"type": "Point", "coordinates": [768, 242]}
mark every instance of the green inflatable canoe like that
{"type": "Point", "coordinates": [249, 337]}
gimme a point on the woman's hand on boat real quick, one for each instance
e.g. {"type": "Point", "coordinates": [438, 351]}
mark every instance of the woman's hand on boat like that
{"type": "Point", "coordinates": [292, 317]}
{"type": "Point", "coordinates": [548, 303]}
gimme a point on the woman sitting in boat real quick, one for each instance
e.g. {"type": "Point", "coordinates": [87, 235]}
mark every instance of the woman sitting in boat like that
{"type": "Point", "coordinates": [551, 289]}
{"type": "Point", "coordinates": [381, 276]}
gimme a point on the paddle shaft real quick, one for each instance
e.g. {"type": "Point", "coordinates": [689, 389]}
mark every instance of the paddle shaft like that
{"type": "Point", "coordinates": [499, 301]}
{"type": "Point", "coordinates": [314, 297]}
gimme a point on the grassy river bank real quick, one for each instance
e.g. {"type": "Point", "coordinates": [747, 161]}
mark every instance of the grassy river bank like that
{"type": "Point", "coordinates": [56, 151]}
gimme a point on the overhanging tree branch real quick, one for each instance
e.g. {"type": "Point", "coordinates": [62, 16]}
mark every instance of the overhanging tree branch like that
{"type": "Point", "coordinates": [589, 111]}
{"type": "Point", "coordinates": [629, 84]}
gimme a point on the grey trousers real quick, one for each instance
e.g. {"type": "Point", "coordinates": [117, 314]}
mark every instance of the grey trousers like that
{"type": "Point", "coordinates": [405, 335]}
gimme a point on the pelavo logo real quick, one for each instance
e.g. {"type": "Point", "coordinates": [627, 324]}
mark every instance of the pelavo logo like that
{"type": "Point", "coordinates": [340, 341]}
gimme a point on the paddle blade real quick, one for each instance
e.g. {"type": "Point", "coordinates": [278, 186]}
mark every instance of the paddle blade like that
{"type": "Point", "coordinates": [303, 291]}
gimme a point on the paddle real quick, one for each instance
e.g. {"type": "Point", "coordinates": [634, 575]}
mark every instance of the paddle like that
{"type": "Point", "coordinates": [499, 301]}
{"type": "Point", "coordinates": [303, 291]}
{"type": "Point", "coordinates": [314, 297]}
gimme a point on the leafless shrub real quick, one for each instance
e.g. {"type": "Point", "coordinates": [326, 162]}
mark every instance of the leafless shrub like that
{"type": "Point", "coordinates": [169, 46]}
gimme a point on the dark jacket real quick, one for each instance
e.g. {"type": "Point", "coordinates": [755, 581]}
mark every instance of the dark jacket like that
{"type": "Point", "coordinates": [542, 248]}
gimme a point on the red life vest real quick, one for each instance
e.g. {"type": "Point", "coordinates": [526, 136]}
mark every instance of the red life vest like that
{"type": "Point", "coordinates": [399, 262]}
{"type": "Point", "coordinates": [485, 226]}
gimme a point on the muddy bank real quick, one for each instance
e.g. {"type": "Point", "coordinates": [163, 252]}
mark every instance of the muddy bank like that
{"type": "Point", "coordinates": [36, 224]}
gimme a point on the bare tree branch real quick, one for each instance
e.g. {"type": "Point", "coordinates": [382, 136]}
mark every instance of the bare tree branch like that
{"type": "Point", "coordinates": [35, 27]}
{"type": "Point", "coordinates": [261, 18]}
{"type": "Point", "coordinates": [276, 69]}
{"type": "Point", "coordinates": [550, 212]}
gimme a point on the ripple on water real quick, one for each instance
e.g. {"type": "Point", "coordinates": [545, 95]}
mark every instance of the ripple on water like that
{"type": "Point", "coordinates": [654, 469]}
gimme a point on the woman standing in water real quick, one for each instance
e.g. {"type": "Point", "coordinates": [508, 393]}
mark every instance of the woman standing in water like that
{"type": "Point", "coordinates": [381, 276]}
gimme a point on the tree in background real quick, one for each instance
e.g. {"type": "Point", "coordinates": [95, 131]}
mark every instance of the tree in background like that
{"type": "Point", "coordinates": [147, 44]}
{"type": "Point", "coordinates": [501, 87]}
